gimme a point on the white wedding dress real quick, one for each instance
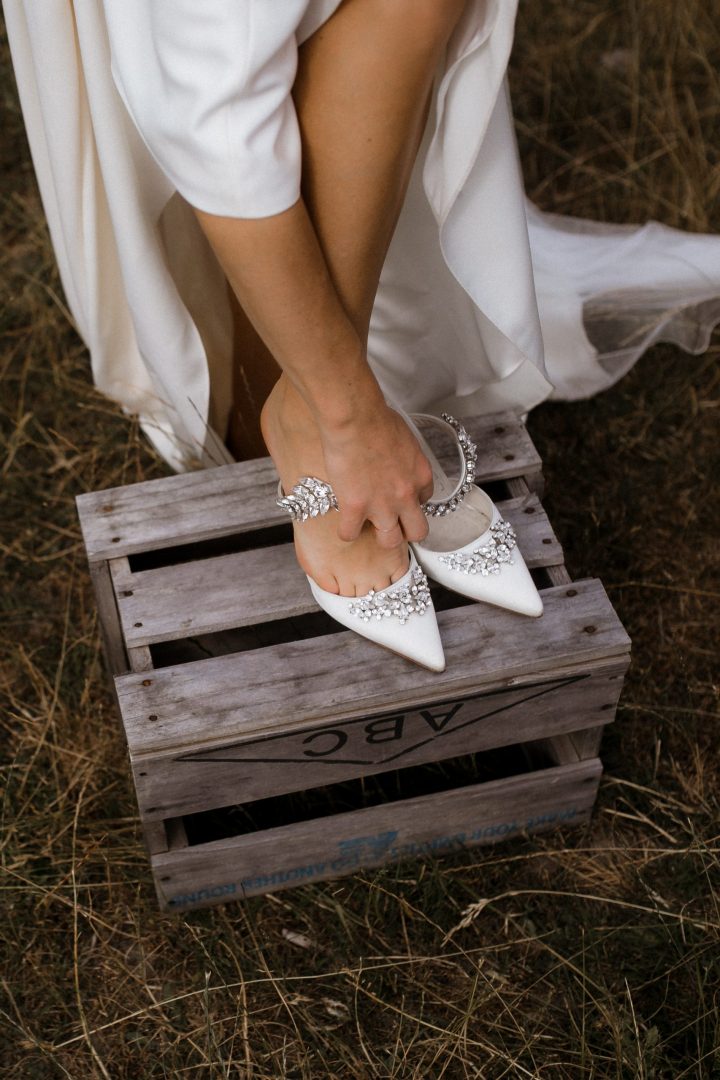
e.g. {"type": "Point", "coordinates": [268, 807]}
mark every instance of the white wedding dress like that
{"type": "Point", "coordinates": [485, 302]}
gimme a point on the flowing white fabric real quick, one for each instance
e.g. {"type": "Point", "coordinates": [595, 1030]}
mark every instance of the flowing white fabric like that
{"type": "Point", "coordinates": [477, 284]}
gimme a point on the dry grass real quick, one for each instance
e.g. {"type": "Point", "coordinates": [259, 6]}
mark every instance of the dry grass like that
{"type": "Point", "coordinates": [590, 954]}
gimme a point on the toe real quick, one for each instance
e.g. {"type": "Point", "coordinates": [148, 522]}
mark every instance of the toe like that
{"type": "Point", "coordinates": [400, 572]}
{"type": "Point", "coordinates": [347, 587]}
{"type": "Point", "coordinates": [326, 581]}
{"type": "Point", "coordinates": [382, 581]}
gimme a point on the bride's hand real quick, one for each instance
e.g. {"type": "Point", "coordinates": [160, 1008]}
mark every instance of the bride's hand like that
{"type": "Point", "coordinates": [378, 473]}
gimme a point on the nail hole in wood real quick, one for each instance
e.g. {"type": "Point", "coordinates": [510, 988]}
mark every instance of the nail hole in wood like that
{"type": "Point", "coordinates": [547, 540]}
{"type": "Point", "coordinates": [127, 592]}
{"type": "Point", "coordinates": [571, 592]}
{"type": "Point", "coordinates": [137, 624]}
{"type": "Point", "coordinates": [147, 682]}
{"type": "Point", "coordinates": [152, 716]}
{"type": "Point", "coordinates": [609, 705]}
{"type": "Point", "coordinates": [509, 457]}
{"type": "Point", "coordinates": [589, 629]}
{"type": "Point", "coordinates": [115, 540]}
{"type": "Point", "coordinates": [529, 509]}
{"type": "Point", "coordinates": [499, 430]}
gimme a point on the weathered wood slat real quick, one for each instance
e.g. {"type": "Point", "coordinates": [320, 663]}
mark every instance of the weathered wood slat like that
{"type": "Point", "coordinates": [241, 497]}
{"type": "Point", "coordinates": [257, 586]}
{"type": "Point", "coordinates": [557, 748]}
{"type": "Point", "coordinates": [529, 481]}
{"type": "Point", "coordinates": [342, 675]}
{"type": "Point", "coordinates": [559, 575]}
{"type": "Point", "coordinates": [173, 784]}
{"type": "Point", "coordinates": [587, 742]}
{"type": "Point", "coordinates": [155, 836]}
{"type": "Point", "coordinates": [116, 659]}
{"type": "Point", "coordinates": [323, 848]}
{"type": "Point", "coordinates": [138, 654]}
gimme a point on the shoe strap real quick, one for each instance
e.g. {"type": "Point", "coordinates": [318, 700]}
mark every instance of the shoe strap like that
{"type": "Point", "coordinates": [310, 497]}
{"type": "Point", "coordinates": [468, 455]}
{"type": "Point", "coordinates": [313, 497]}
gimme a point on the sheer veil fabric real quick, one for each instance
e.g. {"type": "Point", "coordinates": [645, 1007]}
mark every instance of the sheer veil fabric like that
{"type": "Point", "coordinates": [485, 302]}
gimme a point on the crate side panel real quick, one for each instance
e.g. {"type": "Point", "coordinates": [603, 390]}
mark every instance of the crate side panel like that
{"type": "Point", "coordinates": [173, 785]}
{"type": "Point", "coordinates": [331, 847]}
{"type": "Point", "coordinates": [210, 702]}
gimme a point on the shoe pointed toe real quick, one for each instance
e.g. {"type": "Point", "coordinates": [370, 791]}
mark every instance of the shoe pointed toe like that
{"type": "Point", "coordinates": [489, 569]}
{"type": "Point", "coordinates": [425, 647]}
{"type": "Point", "coordinates": [400, 618]}
{"type": "Point", "coordinates": [512, 588]}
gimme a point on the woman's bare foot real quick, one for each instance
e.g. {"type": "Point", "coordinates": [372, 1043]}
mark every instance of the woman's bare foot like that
{"type": "Point", "coordinates": [338, 566]}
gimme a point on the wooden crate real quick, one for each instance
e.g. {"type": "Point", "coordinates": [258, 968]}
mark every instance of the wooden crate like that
{"type": "Point", "coordinates": [236, 692]}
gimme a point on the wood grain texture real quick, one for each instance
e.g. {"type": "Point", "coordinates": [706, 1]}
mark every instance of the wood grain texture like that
{"type": "Point", "coordinates": [587, 742]}
{"type": "Point", "coordinates": [263, 584]}
{"type": "Point", "coordinates": [240, 497]}
{"type": "Point", "coordinates": [211, 702]}
{"type": "Point", "coordinates": [558, 575]}
{"type": "Point", "coordinates": [558, 748]}
{"type": "Point", "coordinates": [116, 659]}
{"type": "Point", "coordinates": [138, 654]}
{"type": "Point", "coordinates": [155, 836]}
{"type": "Point", "coordinates": [530, 481]}
{"type": "Point", "coordinates": [322, 848]}
{"type": "Point", "coordinates": [174, 784]}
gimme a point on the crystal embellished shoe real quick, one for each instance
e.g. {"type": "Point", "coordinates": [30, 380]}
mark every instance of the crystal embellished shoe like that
{"type": "Point", "coordinates": [470, 548]}
{"type": "Point", "coordinates": [400, 617]}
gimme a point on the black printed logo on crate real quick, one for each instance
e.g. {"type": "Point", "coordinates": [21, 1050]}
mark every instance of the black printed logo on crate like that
{"type": "Point", "coordinates": [380, 739]}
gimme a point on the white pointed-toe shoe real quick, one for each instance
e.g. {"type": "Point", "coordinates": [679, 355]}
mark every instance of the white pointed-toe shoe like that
{"type": "Point", "coordinates": [470, 548]}
{"type": "Point", "coordinates": [400, 617]}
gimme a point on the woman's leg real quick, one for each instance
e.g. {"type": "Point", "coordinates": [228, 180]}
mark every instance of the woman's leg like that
{"type": "Point", "coordinates": [361, 94]}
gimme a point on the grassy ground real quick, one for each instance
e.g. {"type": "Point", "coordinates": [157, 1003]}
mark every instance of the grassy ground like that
{"type": "Point", "coordinates": [597, 954]}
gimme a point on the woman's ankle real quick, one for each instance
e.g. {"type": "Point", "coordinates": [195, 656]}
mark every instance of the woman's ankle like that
{"type": "Point", "coordinates": [285, 407]}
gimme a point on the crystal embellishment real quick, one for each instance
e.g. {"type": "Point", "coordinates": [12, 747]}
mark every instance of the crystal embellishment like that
{"type": "Point", "coordinates": [310, 497]}
{"type": "Point", "coordinates": [468, 452]}
{"type": "Point", "coordinates": [489, 558]}
{"type": "Point", "coordinates": [399, 602]}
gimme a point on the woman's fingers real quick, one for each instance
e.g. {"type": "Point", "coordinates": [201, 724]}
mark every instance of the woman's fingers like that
{"type": "Point", "coordinates": [426, 492]}
{"type": "Point", "coordinates": [379, 474]}
{"type": "Point", "coordinates": [352, 519]}
{"type": "Point", "coordinates": [414, 524]}
{"type": "Point", "coordinates": [389, 537]}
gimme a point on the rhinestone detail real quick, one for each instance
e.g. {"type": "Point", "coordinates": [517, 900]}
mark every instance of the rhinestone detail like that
{"type": "Point", "coordinates": [468, 451]}
{"type": "Point", "coordinates": [489, 558]}
{"type": "Point", "coordinates": [400, 602]}
{"type": "Point", "coordinates": [310, 497]}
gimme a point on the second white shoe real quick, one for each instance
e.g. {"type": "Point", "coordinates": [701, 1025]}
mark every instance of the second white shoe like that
{"type": "Point", "coordinates": [488, 567]}
{"type": "Point", "coordinates": [470, 548]}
